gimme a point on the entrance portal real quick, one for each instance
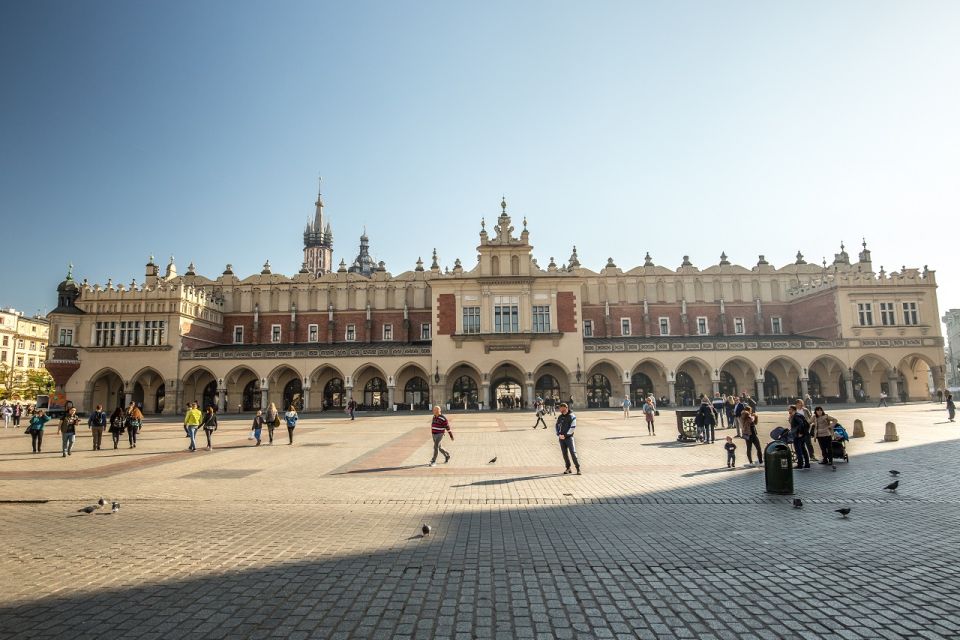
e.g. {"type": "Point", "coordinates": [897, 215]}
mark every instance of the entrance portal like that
{"type": "Point", "coordinates": [507, 394]}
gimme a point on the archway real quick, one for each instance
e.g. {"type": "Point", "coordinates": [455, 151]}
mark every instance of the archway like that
{"type": "Point", "coordinates": [416, 393]}
{"type": "Point", "coordinates": [692, 380]}
{"type": "Point", "coordinates": [160, 398]}
{"type": "Point", "coordinates": [771, 387]}
{"type": "Point", "coordinates": [829, 373]}
{"type": "Point", "coordinates": [465, 394]}
{"type": "Point", "coordinates": [239, 385]}
{"type": "Point", "coordinates": [598, 391]}
{"type": "Point", "coordinates": [728, 384]}
{"type": "Point", "coordinates": [209, 396]}
{"type": "Point", "coordinates": [552, 380]}
{"type": "Point", "coordinates": [146, 386]}
{"type": "Point", "coordinates": [640, 387]}
{"type": "Point", "coordinates": [279, 381]}
{"type": "Point", "coordinates": [547, 387]}
{"type": "Point", "coordinates": [917, 371]}
{"type": "Point", "coordinates": [107, 390]}
{"type": "Point", "coordinates": [334, 394]}
{"type": "Point", "coordinates": [874, 372]}
{"type": "Point", "coordinates": [685, 389]}
{"type": "Point", "coordinates": [329, 380]}
{"type": "Point", "coordinates": [376, 397]}
{"type": "Point", "coordinates": [600, 381]}
{"type": "Point", "coordinates": [200, 386]}
{"type": "Point", "coordinates": [814, 387]}
{"type": "Point", "coordinates": [737, 375]}
{"type": "Point", "coordinates": [293, 395]}
{"type": "Point", "coordinates": [649, 378]}
{"type": "Point", "coordinates": [250, 399]}
{"type": "Point", "coordinates": [786, 372]}
{"type": "Point", "coordinates": [506, 388]}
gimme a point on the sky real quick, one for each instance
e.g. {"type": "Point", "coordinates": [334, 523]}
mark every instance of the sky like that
{"type": "Point", "coordinates": [199, 129]}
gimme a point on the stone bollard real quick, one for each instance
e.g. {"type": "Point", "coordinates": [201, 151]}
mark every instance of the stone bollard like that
{"type": "Point", "coordinates": [891, 433]}
{"type": "Point", "coordinates": [858, 428]}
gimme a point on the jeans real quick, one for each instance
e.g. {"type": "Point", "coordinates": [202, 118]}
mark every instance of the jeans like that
{"type": "Point", "coordinates": [808, 443]}
{"type": "Point", "coordinates": [709, 433]}
{"type": "Point", "coordinates": [826, 448]}
{"type": "Point", "coordinates": [209, 434]}
{"type": "Point", "coordinates": [720, 416]}
{"type": "Point", "coordinates": [256, 434]}
{"type": "Point", "coordinates": [192, 434]}
{"type": "Point", "coordinates": [738, 423]}
{"type": "Point", "coordinates": [290, 434]}
{"type": "Point", "coordinates": [800, 446]}
{"type": "Point", "coordinates": [132, 435]}
{"type": "Point", "coordinates": [116, 438]}
{"type": "Point", "coordinates": [97, 433]}
{"type": "Point", "coordinates": [36, 439]}
{"type": "Point", "coordinates": [437, 437]}
{"type": "Point", "coordinates": [68, 440]}
{"type": "Point", "coordinates": [731, 459]}
{"type": "Point", "coordinates": [569, 450]}
{"type": "Point", "coordinates": [753, 441]}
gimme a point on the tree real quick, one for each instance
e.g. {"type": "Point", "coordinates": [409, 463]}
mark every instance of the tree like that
{"type": "Point", "coordinates": [38, 381]}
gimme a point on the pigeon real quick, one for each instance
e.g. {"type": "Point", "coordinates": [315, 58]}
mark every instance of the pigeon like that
{"type": "Point", "coordinates": [797, 503]}
{"type": "Point", "coordinates": [90, 509]}
{"type": "Point", "coordinates": [892, 487]}
{"type": "Point", "coordinates": [101, 501]}
{"type": "Point", "coordinates": [894, 473]}
{"type": "Point", "coordinates": [114, 507]}
{"type": "Point", "coordinates": [844, 512]}
{"type": "Point", "coordinates": [425, 529]}
{"type": "Point", "coordinates": [493, 460]}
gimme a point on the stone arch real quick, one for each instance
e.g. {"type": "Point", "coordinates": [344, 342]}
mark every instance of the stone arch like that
{"type": "Point", "coordinates": [364, 376]}
{"type": "Point", "coordinates": [649, 376]}
{"type": "Point", "coordinates": [604, 384]}
{"type": "Point", "coordinates": [830, 370]}
{"type": "Point", "coordinates": [742, 375]}
{"type": "Point", "coordinates": [508, 381]}
{"type": "Point", "coordinates": [559, 373]}
{"type": "Point", "coordinates": [327, 388]}
{"type": "Point", "coordinates": [105, 387]}
{"type": "Point", "coordinates": [914, 369]}
{"type": "Point", "coordinates": [412, 389]}
{"type": "Point", "coordinates": [278, 380]}
{"type": "Point", "coordinates": [872, 372]}
{"type": "Point", "coordinates": [149, 390]}
{"type": "Point", "coordinates": [787, 372]}
{"type": "Point", "coordinates": [242, 385]}
{"type": "Point", "coordinates": [692, 378]}
{"type": "Point", "coordinates": [463, 386]}
{"type": "Point", "coordinates": [199, 385]}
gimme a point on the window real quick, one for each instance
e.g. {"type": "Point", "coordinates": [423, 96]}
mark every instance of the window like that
{"type": "Point", "coordinates": [506, 314]}
{"type": "Point", "coordinates": [425, 331]}
{"type": "Point", "coordinates": [387, 332]}
{"type": "Point", "coordinates": [238, 334]}
{"type": "Point", "coordinates": [20, 344]}
{"type": "Point", "coordinates": [776, 325]}
{"type": "Point", "coordinates": [624, 326]}
{"type": "Point", "coordinates": [865, 313]}
{"type": "Point", "coordinates": [702, 327]}
{"type": "Point", "coordinates": [471, 319]}
{"type": "Point", "coordinates": [541, 318]}
{"type": "Point", "coordinates": [19, 361]}
{"type": "Point", "coordinates": [275, 333]}
{"type": "Point", "coordinates": [664, 326]}
{"type": "Point", "coordinates": [130, 333]}
{"type": "Point", "coordinates": [588, 328]}
{"type": "Point", "coordinates": [33, 345]}
{"type": "Point", "coordinates": [887, 316]}
{"type": "Point", "coordinates": [33, 329]}
{"type": "Point", "coordinates": [153, 332]}
{"type": "Point", "coordinates": [3, 357]}
{"type": "Point", "coordinates": [106, 334]}
{"type": "Point", "coordinates": [32, 362]}
{"type": "Point", "coordinates": [739, 327]}
{"type": "Point", "coordinates": [351, 334]}
{"type": "Point", "coordinates": [66, 338]}
{"type": "Point", "coordinates": [6, 341]}
{"type": "Point", "coordinates": [910, 315]}
{"type": "Point", "coordinates": [43, 348]}
{"type": "Point", "coordinates": [313, 333]}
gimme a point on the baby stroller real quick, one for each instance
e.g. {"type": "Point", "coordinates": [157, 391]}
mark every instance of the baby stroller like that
{"type": "Point", "coordinates": [784, 435]}
{"type": "Point", "coordinates": [839, 443]}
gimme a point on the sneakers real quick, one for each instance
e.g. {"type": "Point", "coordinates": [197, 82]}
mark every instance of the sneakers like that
{"type": "Point", "coordinates": [566, 471]}
{"type": "Point", "coordinates": [433, 464]}
{"type": "Point", "coordinates": [446, 459]}
{"type": "Point", "coordinates": [578, 472]}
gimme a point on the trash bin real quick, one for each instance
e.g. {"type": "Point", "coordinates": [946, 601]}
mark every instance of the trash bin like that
{"type": "Point", "coordinates": [778, 468]}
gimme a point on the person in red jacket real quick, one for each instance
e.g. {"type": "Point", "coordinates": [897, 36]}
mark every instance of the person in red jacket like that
{"type": "Point", "coordinates": [438, 427]}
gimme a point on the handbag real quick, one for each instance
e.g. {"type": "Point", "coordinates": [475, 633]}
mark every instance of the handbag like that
{"type": "Point", "coordinates": [655, 412]}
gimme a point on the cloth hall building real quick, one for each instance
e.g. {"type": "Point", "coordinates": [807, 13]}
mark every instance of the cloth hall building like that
{"type": "Point", "coordinates": [507, 327]}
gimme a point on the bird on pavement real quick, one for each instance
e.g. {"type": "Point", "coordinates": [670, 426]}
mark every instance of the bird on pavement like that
{"type": "Point", "coordinates": [894, 473]}
{"type": "Point", "coordinates": [844, 512]}
{"type": "Point", "coordinates": [493, 460]}
{"type": "Point", "coordinates": [892, 487]}
{"type": "Point", "coordinates": [89, 509]}
{"type": "Point", "coordinates": [101, 501]}
{"type": "Point", "coordinates": [797, 503]}
{"type": "Point", "coordinates": [425, 529]}
{"type": "Point", "coordinates": [114, 507]}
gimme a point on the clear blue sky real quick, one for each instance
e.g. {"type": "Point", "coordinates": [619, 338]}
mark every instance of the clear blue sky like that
{"type": "Point", "coordinates": [198, 129]}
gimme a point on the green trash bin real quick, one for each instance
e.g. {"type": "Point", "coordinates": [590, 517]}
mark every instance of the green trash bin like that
{"type": "Point", "coordinates": [778, 468]}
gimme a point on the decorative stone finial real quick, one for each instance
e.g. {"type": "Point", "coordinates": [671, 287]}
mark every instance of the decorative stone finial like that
{"type": "Point", "coordinates": [864, 244]}
{"type": "Point", "coordinates": [229, 270]}
{"type": "Point", "coordinates": [647, 260]}
{"type": "Point", "coordinates": [723, 258]}
{"type": "Point", "coordinates": [800, 259]}
{"type": "Point", "coordinates": [191, 269]}
{"type": "Point", "coordinates": [343, 266]}
{"type": "Point", "coordinates": [762, 260]}
{"type": "Point", "coordinates": [435, 264]}
{"type": "Point", "coordinates": [483, 224]}
{"type": "Point", "coordinates": [150, 260]}
{"type": "Point", "coordinates": [70, 271]}
{"type": "Point", "coordinates": [503, 205]}
{"type": "Point", "coordinates": [686, 262]}
{"type": "Point", "coordinates": [524, 223]}
{"type": "Point", "coordinates": [266, 268]}
{"type": "Point", "coordinates": [456, 264]}
{"type": "Point", "coordinates": [381, 266]}
{"type": "Point", "coordinates": [610, 264]}
{"type": "Point", "coordinates": [419, 265]}
{"type": "Point", "coordinates": [574, 259]}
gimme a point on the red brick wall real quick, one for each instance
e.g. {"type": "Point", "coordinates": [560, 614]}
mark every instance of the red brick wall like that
{"type": "Point", "coordinates": [446, 316]}
{"type": "Point", "coordinates": [566, 312]}
{"type": "Point", "coordinates": [816, 315]}
{"type": "Point", "coordinates": [595, 314]}
{"type": "Point", "coordinates": [304, 320]}
{"type": "Point", "coordinates": [196, 336]}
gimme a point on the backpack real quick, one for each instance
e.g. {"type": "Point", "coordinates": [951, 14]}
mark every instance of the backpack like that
{"type": "Point", "coordinates": [738, 409]}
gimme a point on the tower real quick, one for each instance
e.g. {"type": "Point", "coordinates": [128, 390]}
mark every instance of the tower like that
{"type": "Point", "coordinates": [318, 242]}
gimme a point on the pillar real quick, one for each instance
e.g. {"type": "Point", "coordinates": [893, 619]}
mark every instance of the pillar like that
{"type": "Point", "coordinates": [716, 387]}
{"type": "Point", "coordinates": [804, 387]}
{"type": "Point", "coordinates": [264, 397]}
{"type": "Point", "coordinates": [759, 385]}
{"type": "Point", "coordinates": [672, 392]}
{"type": "Point", "coordinates": [347, 393]}
{"type": "Point", "coordinates": [894, 385]}
{"type": "Point", "coordinates": [530, 398]}
{"type": "Point", "coordinates": [578, 391]}
{"type": "Point", "coordinates": [848, 383]}
{"type": "Point", "coordinates": [938, 381]}
{"type": "Point", "coordinates": [437, 396]}
{"type": "Point", "coordinates": [178, 404]}
{"type": "Point", "coordinates": [485, 396]}
{"type": "Point", "coordinates": [391, 396]}
{"type": "Point", "coordinates": [626, 391]}
{"type": "Point", "coordinates": [221, 399]}
{"type": "Point", "coordinates": [306, 398]}
{"type": "Point", "coordinates": [128, 395]}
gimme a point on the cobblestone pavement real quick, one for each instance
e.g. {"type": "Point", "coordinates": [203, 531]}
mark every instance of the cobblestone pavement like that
{"type": "Point", "coordinates": [321, 539]}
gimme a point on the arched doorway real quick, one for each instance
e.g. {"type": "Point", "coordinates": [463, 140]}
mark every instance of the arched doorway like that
{"type": "Point", "coordinates": [251, 396]}
{"type": "Point", "coordinates": [728, 384]}
{"type": "Point", "coordinates": [416, 393]}
{"type": "Point", "coordinates": [107, 389]}
{"type": "Point", "coordinates": [333, 394]}
{"type": "Point", "coordinates": [547, 387]}
{"type": "Point", "coordinates": [375, 395]}
{"type": "Point", "coordinates": [465, 394]}
{"type": "Point", "coordinates": [507, 394]}
{"type": "Point", "coordinates": [771, 388]}
{"type": "Point", "coordinates": [293, 395]}
{"type": "Point", "coordinates": [814, 388]}
{"type": "Point", "coordinates": [640, 387]}
{"type": "Point", "coordinates": [685, 389]}
{"type": "Point", "coordinates": [209, 397]}
{"type": "Point", "coordinates": [138, 396]}
{"type": "Point", "coordinates": [598, 391]}
{"type": "Point", "coordinates": [160, 398]}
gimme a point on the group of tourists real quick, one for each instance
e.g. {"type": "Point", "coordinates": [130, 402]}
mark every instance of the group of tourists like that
{"type": "Point", "coordinates": [649, 409]}
{"type": "Point", "coordinates": [129, 420]}
{"type": "Point", "coordinates": [12, 413]}
{"type": "Point", "coordinates": [194, 421]}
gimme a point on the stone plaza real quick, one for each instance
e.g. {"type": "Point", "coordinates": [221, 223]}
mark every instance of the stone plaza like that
{"type": "Point", "coordinates": [322, 539]}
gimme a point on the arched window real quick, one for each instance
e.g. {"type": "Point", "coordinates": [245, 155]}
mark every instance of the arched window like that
{"type": "Point", "coordinates": [333, 394]}
{"type": "Point", "coordinates": [416, 393]}
{"type": "Point", "coordinates": [814, 388]}
{"type": "Point", "coordinates": [514, 265]}
{"type": "Point", "coordinates": [495, 265]}
{"type": "Point", "coordinates": [375, 394]}
{"type": "Point", "coordinates": [728, 384]}
{"type": "Point", "coordinates": [547, 387]}
{"type": "Point", "coordinates": [685, 389]}
{"type": "Point", "coordinates": [465, 393]}
{"type": "Point", "coordinates": [598, 391]}
{"type": "Point", "coordinates": [771, 387]}
{"type": "Point", "coordinates": [640, 387]}
{"type": "Point", "coordinates": [293, 395]}
{"type": "Point", "coordinates": [251, 396]}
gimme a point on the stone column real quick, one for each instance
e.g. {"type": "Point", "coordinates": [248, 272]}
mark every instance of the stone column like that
{"type": "Point", "coordinates": [579, 392]}
{"type": "Point", "coordinates": [436, 395]}
{"type": "Point", "coordinates": [485, 395]}
{"type": "Point", "coordinates": [848, 382]}
{"type": "Point", "coordinates": [221, 399]}
{"type": "Point", "coordinates": [306, 398]}
{"type": "Point", "coordinates": [178, 404]}
{"type": "Point", "coordinates": [128, 394]}
{"type": "Point", "coordinates": [347, 393]}
{"type": "Point", "coordinates": [759, 386]}
{"type": "Point", "coordinates": [626, 390]}
{"type": "Point", "coordinates": [938, 383]}
{"type": "Point", "coordinates": [716, 387]}
{"type": "Point", "coordinates": [804, 387]}
{"type": "Point", "coordinates": [530, 396]}
{"type": "Point", "coordinates": [391, 396]}
{"type": "Point", "coordinates": [264, 397]}
{"type": "Point", "coordinates": [672, 392]}
{"type": "Point", "coordinates": [894, 385]}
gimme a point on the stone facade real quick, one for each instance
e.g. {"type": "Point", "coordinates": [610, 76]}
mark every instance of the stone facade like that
{"type": "Point", "coordinates": [23, 345]}
{"type": "Point", "coordinates": [952, 321]}
{"type": "Point", "coordinates": [505, 327]}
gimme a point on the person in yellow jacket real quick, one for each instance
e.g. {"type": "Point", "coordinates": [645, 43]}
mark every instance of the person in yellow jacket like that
{"type": "Point", "coordinates": [191, 422]}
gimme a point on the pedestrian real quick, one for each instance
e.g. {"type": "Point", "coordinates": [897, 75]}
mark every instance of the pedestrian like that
{"type": "Point", "coordinates": [808, 400]}
{"type": "Point", "coordinates": [731, 453]}
{"type": "Point", "coordinates": [291, 417]}
{"type": "Point", "coordinates": [209, 425]}
{"type": "Point", "coordinates": [649, 412]}
{"type": "Point", "coordinates": [808, 443]}
{"type": "Point", "coordinates": [7, 412]}
{"type": "Point", "coordinates": [705, 421]}
{"type": "Point", "coordinates": [134, 423]}
{"type": "Point", "coordinates": [719, 403]}
{"type": "Point", "coordinates": [939, 396]}
{"type": "Point", "coordinates": [117, 420]}
{"type": "Point", "coordinates": [951, 408]}
{"type": "Point", "coordinates": [749, 422]}
{"type": "Point", "coordinates": [438, 427]}
{"type": "Point", "coordinates": [540, 420]}
{"type": "Point", "coordinates": [800, 429]}
{"type": "Point", "coordinates": [37, 422]}
{"type": "Point", "coordinates": [566, 424]}
{"type": "Point", "coordinates": [729, 403]}
{"type": "Point", "coordinates": [97, 422]}
{"type": "Point", "coordinates": [17, 412]}
{"type": "Point", "coordinates": [883, 399]}
{"type": "Point", "coordinates": [738, 414]}
{"type": "Point", "coordinates": [68, 431]}
{"type": "Point", "coordinates": [823, 430]}
{"type": "Point", "coordinates": [351, 408]}
{"type": "Point", "coordinates": [191, 423]}
{"type": "Point", "coordinates": [272, 420]}
{"type": "Point", "coordinates": [626, 404]}
{"type": "Point", "coordinates": [257, 428]}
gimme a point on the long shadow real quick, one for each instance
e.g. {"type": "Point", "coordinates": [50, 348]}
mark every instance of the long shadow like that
{"type": "Point", "coordinates": [499, 481]}
{"type": "Point", "coordinates": [379, 469]}
{"type": "Point", "coordinates": [628, 564]}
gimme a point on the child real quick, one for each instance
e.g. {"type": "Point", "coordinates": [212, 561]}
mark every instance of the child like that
{"type": "Point", "coordinates": [257, 427]}
{"type": "Point", "coordinates": [731, 453]}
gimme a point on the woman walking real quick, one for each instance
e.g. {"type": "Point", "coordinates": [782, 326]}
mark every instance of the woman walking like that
{"type": "Point", "coordinates": [748, 427]}
{"type": "Point", "coordinates": [291, 418]}
{"type": "Point", "coordinates": [68, 431]}
{"type": "Point", "coordinates": [951, 408]}
{"type": "Point", "coordinates": [209, 425]}
{"type": "Point", "coordinates": [117, 420]}
{"type": "Point", "coordinates": [649, 411]}
{"type": "Point", "coordinates": [257, 426]}
{"type": "Point", "coordinates": [272, 419]}
{"type": "Point", "coordinates": [97, 422]}
{"type": "Point", "coordinates": [134, 422]}
{"type": "Point", "coordinates": [823, 431]}
{"type": "Point", "coordinates": [36, 429]}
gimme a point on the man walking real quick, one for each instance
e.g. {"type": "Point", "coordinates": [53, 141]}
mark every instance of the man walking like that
{"type": "Point", "coordinates": [566, 423]}
{"type": "Point", "coordinates": [705, 421]}
{"type": "Point", "coordinates": [883, 399]}
{"type": "Point", "coordinates": [191, 422]}
{"type": "Point", "coordinates": [439, 426]}
{"type": "Point", "coordinates": [626, 404]}
{"type": "Point", "coordinates": [718, 409]}
{"type": "Point", "coordinates": [540, 420]}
